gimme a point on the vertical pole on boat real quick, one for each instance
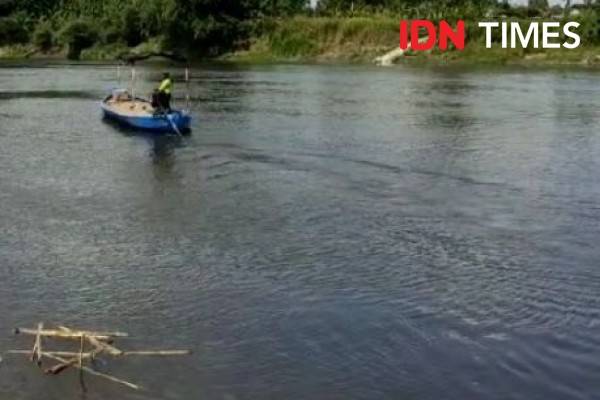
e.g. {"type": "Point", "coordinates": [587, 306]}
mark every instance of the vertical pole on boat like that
{"type": "Point", "coordinates": [187, 88]}
{"type": "Point", "coordinates": [133, 83]}
{"type": "Point", "coordinates": [119, 75]}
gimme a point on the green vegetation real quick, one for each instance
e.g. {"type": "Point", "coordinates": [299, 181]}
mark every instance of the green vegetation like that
{"type": "Point", "coordinates": [13, 31]}
{"type": "Point", "coordinates": [362, 38]}
{"type": "Point", "coordinates": [199, 27]}
{"type": "Point", "coordinates": [77, 35]}
{"type": "Point", "coordinates": [43, 37]}
{"type": "Point", "coordinates": [266, 30]}
{"type": "Point", "coordinates": [320, 39]}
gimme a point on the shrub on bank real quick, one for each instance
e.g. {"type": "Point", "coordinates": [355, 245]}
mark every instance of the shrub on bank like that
{"type": "Point", "coordinates": [78, 35]}
{"type": "Point", "coordinates": [111, 34]}
{"type": "Point", "coordinates": [590, 27]}
{"type": "Point", "coordinates": [43, 36]}
{"type": "Point", "coordinates": [104, 52]}
{"type": "Point", "coordinates": [12, 31]}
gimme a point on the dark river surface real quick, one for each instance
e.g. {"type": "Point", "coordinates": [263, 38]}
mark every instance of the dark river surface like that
{"type": "Point", "coordinates": [326, 232]}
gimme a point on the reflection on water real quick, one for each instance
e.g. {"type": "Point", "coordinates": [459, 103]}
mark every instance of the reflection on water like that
{"type": "Point", "coordinates": [163, 153]}
{"type": "Point", "coordinates": [326, 232]}
{"type": "Point", "coordinates": [163, 147]}
{"type": "Point", "coordinates": [46, 94]}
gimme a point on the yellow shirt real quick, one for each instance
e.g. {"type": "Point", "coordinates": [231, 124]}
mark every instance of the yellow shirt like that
{"type": "Point", "coordinates": [166, 86]}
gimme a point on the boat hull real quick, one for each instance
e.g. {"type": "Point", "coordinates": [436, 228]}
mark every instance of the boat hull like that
{"type": "Point", "coordinates": [152, 123]}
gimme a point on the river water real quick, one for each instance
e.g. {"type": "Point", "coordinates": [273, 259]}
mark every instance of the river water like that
{"type": "Point", "coordinates": [326, 232]}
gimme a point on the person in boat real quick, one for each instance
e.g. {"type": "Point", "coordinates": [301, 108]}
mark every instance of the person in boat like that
{"type": "Point", "coordinates": [161, 98]}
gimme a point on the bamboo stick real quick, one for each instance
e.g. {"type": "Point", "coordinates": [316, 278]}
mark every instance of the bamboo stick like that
{"type": "Point", "coordinates": [187, 88]}
{"type": "Point", "coordinates": [158, 353]}
{"type": "Point", "coordinates": [96, 373]}
{"type": "Point", "coordinates": [39, 340]}
{"type": "Point", "coordinates": [133, 83]}
{"type": "Point", "coordinates": [86, 355]}
{"type": "Point", "coordinates": [70, 331]}
{"type": "Point", "coordinates": [99, 346]}
{"type": "Point", "coordinates": [92, 333]}
{"type": "Point", "coordinates": [71, 335]}
{"type": "Point", "coordinates": [101, 342]}
{"type": "Point", "coordinates": [54, 353]}
{"type": "Point", "coordinates": [104, 347]}
{"type": "Point", "coordinates": [81, 345]}
{"type": "Point", "coordinates": [34, 349]}
{"type": "Point", "coordinates": [36, 352]}
{"type": "Point", "coordinates": [58, 368]}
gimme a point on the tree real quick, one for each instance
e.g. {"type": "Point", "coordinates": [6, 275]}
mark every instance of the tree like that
{"type": "Point", "coordinates": [132, 26]}
{"type": "Point", "coordinates": [35, 8]}
{"type": "Point", "coordinates": [208, 26]}
{"type": "Point", "coordinates": [346, 5]}
{"type": "Point", "coordinates": [538, 4]}
{"type": "Point", "coordinates": [6, 7]}
{"type": "Point", "coordinates": [282, 7]}
{"type": "Point", "coordinates": [43, 36]}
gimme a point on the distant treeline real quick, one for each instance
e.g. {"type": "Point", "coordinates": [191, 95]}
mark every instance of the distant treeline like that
{"type": "Point", "coordinates": [200, 27]}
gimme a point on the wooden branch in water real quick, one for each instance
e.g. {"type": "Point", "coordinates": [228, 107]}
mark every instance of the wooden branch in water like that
{"type": "Point", "coordinates": [93, 372]}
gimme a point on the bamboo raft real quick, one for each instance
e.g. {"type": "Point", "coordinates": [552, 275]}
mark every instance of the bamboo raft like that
{"type": "Point", "coordinates": [91, 345]}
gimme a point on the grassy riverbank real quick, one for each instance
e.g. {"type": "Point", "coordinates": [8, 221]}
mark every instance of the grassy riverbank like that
{"type": "Point", "coordinates": [329, 39]}
{"type": "Point", "coordinates": [361, 39]}
{"type": "Point", "coordinates": [320, 39]}
{"type": "Point", "coordinates": [270, 30]}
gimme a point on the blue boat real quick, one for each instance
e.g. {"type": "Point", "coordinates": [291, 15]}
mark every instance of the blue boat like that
{"type": "Point", "coordinates": [139, 114]}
